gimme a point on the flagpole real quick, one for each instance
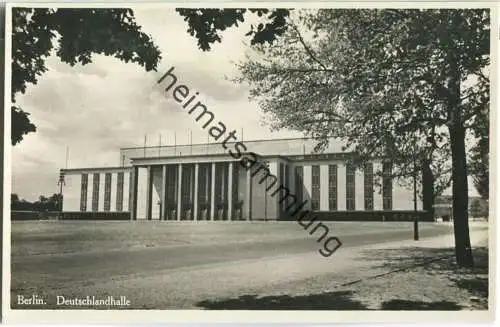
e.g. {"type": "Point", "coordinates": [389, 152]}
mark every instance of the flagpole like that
{"type": "Point", "coordinates": [67, 156]}
{"type": "Point", "coordinates": [145, 145]}
{"type": "Point", "coordinates": [159, 146]}
{"type": "Point", "coordinates": [191, 140]}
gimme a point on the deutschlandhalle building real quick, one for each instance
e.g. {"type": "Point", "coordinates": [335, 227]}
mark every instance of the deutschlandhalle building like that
{"type": "Point", "coordinates": [204, 182]}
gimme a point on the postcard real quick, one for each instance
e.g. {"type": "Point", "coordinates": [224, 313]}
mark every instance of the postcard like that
{"type": "Point", "coordinates": [249, 162]}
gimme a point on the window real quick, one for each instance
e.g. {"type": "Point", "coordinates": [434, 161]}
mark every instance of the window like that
{"type": "Point", "coordinates": [368, 179]}
{"type": "Point", "coordinates": [287, 176]}
{"type": "Point", "coordinates": [171, 190]}
{"type": "Point", "coordinates": [286, 184]}
{"type": "Point", "coordinates": [282, 183]}
{"type": "Point", "coordinates": [332, 187]}
{"type": "Point", "coordinates": [315, 189]}
{"type": "Point", "coordinates": [220, 183]}
{"type": "Point", "coordinates": [107, 191]}
{"type": "Point", "coordinates": [299, 183]}
{"type": "Point", "coordinates": [235, 187]}
{"type": "Point", "coordinates": [208, 183]}
{"type": "Point", "coordinates": [95, 192]}
{"type": "Point", "coordinates": [83, 195]}
{"type": "Point", "coordinates": [187, 184]}
{"type": "Point", "coordinates": [172, 173]}
{"type": "Point", "coordinates": [350, 187]}
{"type": "Point", "coordinates": [387, 186]}
{"type": "Point", "coordinates": [203, 184]}
{"type": "Point", "coordinates": [119, 192]}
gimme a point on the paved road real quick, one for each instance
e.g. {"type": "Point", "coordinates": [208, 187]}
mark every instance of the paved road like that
{"type": "Point", "coordinates": [147, 274]}
{"type": "Point", "coordinates": [140, 261]}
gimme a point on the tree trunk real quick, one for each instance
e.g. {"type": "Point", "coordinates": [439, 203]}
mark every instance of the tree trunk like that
{"type": "Point", "coordinates": [463, 249]}
{"type": "Point", "coordinates": [428, 188]}
{"type": "Point", "coordinates": [460, 189]}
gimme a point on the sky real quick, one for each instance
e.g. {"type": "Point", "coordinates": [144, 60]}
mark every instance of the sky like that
{"type": "Point", "coordinates": [96, 109]}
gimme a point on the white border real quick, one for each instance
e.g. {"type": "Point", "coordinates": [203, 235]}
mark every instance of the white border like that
{"type": "Point", "coordinates": [253, 316]}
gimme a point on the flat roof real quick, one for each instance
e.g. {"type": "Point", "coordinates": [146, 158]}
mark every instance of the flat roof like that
{"type": "Point", "coordinates": [70, 171]}
{"type": "Point", "coordinates": [219, 143]}
{"type": "Point", "coordinates": [275, 147]}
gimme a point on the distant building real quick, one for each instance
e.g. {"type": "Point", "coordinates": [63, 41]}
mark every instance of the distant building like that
{"type": "Point", "coordinates": [206, 182]}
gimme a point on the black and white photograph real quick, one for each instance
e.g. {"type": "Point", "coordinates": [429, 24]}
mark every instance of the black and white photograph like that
{"type": "Point", "coordinates": [249, 157]}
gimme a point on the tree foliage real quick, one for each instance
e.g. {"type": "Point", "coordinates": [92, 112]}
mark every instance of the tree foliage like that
{"type": "Point", "coordinates": [77, 34]}
{"type": "Point", "coordinates": [43, 203]}
{"type": "Point", "coordinates": [74, 35]}
{"type": "Point", "coordinates": [404, 84]}
{"type": "Point", "coordinates": [480, 155]}
{"type": "Point", "coordinates": [206, 24]}
{"type": "Point", "coordinates": [479, 208]}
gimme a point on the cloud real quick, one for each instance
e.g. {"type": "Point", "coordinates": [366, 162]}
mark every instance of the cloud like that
{"type": "Point", "coordinates": [97, 108]}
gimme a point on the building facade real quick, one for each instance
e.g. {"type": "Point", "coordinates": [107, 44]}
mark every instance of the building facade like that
{"type": "Point", "coordinates": [205, 182]}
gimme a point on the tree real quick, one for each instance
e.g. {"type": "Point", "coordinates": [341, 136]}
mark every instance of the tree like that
{"type": "Point", "coordinates": [479, 207]}
{"type": "Point", "coordinates": [481, 176]}
{"type": "Point", "coordinates": [382, 79]}
{"type": "Point", "coordinates": [74, 35]}
{"type": "Point", "coordinates": [14, 198]}
{"type": "Point", "coordinates": [54, 202]}
{"type": "Point", "coordinates": [475, 208]}
{"type": "Point", "coordinates": [206, 24]}
{"type": "Point", "coordinates": [480, 156]}
{"type": "Point", "coordinates": [51, 203]}
{"type": "Point", "coordinates": [17, 204]}
{"type": "Point", "coordinates": [407, 70]}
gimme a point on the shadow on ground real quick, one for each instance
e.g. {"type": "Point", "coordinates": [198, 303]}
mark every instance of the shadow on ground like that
{"type": "Point", "coordinates": [326, 301]}
{"type": "Point", "coordinates": [419, 305]}
{"type": "Point", "coordinates": [435, 261]}
{"type": "Point", "coordinates": [401, 258]}
{"type": "Point", "coordinates": [341, 300]}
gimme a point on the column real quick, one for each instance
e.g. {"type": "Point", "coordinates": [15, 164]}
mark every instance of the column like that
{"type": "Point", "coordinates": [179, 192]}
{"type": "Point", "coordinates": [113, 192]}
{"type": "Point", "coordinates": [248, 195]}
{"type": "Point", "coordinates": [307, 190]}
{"type": "Point", "coordinates": [163, 195]}
{"type": "Point", "coordinates": [195, 195]}
{"type": "Point", "coordinates": [101, 192]}
{"type": "Point", "coordinates": [131, 188]}
{"type": "Point", "coordinates": [359, 186]}
{"type": "Point", "coordinates": [341, 187]}
{"type": "Point", "coordinates": [212, 194]}
{"type": "Point", "coordinates": [149, 193]}
{"type": "Point", "coordinates": [230, 191]}
{"type": "Point", "coordinates": [324, 188]}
